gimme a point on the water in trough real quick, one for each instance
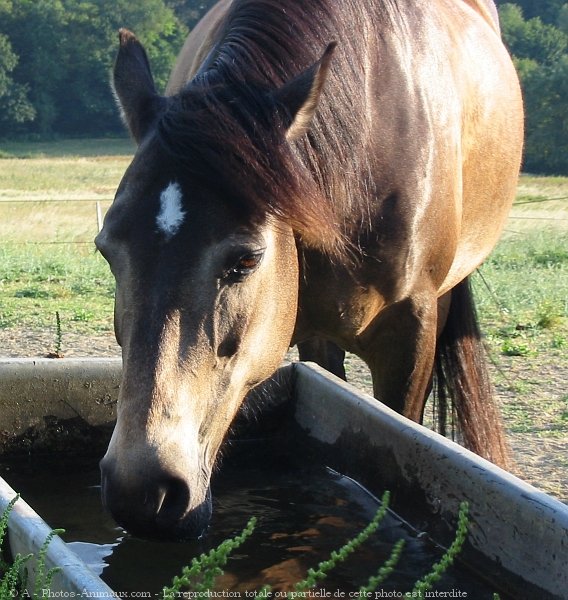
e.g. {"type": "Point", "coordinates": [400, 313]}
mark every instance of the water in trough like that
{"type": "Point", "coordinates": [303, 515]}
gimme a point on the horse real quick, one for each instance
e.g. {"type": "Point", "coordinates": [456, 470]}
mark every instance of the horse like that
{"type": "Point", "coordinates": [327, 174]}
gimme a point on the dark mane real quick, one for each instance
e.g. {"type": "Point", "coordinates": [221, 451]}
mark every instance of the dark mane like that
{"type": "Point", "coordinates": [229, 131]}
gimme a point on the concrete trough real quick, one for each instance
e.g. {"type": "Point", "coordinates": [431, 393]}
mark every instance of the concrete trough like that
{"type": "Point", "coordinates": [45, 404]}
{"type": "Point", "coordinates": [27, 533]}
{"type": "Point", "coordinates": [54, 403]}
{"type": "Point", "coordinates": [518, 536]}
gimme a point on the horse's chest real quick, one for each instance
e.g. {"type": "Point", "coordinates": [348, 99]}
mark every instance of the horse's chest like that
{"type": "Point", "coordinates": [335, 305]}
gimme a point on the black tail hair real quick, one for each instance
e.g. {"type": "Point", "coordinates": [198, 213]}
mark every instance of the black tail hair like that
{"type": "Point", "coordinates": [462, 383]}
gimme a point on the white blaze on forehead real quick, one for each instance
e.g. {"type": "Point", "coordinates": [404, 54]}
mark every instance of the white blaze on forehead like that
{"type": "Point", "coordinates": [171, 215]}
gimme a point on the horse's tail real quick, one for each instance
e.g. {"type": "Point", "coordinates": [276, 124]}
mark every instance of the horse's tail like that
{"type": "Point", "coordinates": [462, 379]}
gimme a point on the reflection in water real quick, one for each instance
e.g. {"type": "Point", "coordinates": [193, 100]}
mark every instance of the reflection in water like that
{"type": "Point", "coordinates": [94, 555]}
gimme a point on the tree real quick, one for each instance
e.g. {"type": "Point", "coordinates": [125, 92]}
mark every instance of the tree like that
{"type": "Point", "coordinates": [540, 54]}
{"type": "Point", "coordinates": [531, 38]}
{"type": "Point", "coordinates": [14, 104]}
{"type": "Point", "coordinates": [562, 20]}
{"type": "Point", "coordinates": [36, 28]}
{"type": "Point", "coordinates": [546, 10]}
{"type": "Point", "coordinates": [546, 94]}
{"type": "Point", "coordinates": [93, 37]}
{"type": "Point", "coordinates": [66, 49]}
{"type": "Point", "coordinates": [190, 11]}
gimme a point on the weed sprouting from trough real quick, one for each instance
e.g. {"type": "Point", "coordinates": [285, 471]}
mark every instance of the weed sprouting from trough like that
{"type": "Point", "coordinates": [13, 575]}
{"type": "Point", "coordinates": [201, 574]}
{"type": "Point", "coordinates": [199, 578]}
{"type": "Point", "coordinates": [316, 576]}
{"type": "Point", "coordinates": [58, 339]}
{"type": "Point", "coordinates": [44, 578]}
{"type": "Point", "coordinates": [58, 334]}
{"type": "Point", "coordinates": [9, 572]}
{"type": "Point", "coordinates": [385, 570]}
{"type": "Point", "coordinates": [425, 584]}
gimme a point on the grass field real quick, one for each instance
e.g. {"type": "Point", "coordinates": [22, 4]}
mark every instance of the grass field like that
{"type": "Point", "coordinates": [48, 261]}
{"type": "Point", "coordinates": [48, 199]}
{"type": "Point", "coordinates": [48, 220]}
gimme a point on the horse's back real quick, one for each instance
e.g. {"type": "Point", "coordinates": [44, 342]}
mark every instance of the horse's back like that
{"type": "Point", "coordinates": [488, 10]}
{"type": "Point", "coordinates": [435, 76]}
{"type": "Point", "coordinates": [197, 46]}
{"type": "Point", "coordinates": [491, 143]}
{"type": "Point", "coordinates": [449, 139]}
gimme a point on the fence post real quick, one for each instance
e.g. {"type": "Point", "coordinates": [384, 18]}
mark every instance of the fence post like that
{"type": "Point", "coordinates": [99, 216]}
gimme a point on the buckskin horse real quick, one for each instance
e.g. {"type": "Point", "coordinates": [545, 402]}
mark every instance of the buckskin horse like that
{"type": "Point", "coordinates": [324, 173]}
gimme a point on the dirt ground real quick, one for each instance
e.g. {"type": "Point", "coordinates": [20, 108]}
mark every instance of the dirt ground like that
{"type": "Point", "coordinates": [532, 394]}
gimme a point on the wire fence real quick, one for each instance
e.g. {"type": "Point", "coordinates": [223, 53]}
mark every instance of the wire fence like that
{"type": "Point", "coordinates": [98, 214]}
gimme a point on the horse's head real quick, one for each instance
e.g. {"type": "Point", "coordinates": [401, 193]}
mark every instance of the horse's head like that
{"type": "Point", "coordinates": [206, 293]}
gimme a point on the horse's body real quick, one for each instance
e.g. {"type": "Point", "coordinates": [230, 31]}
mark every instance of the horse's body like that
{"type": "Point", "coordinates": [278, 197]}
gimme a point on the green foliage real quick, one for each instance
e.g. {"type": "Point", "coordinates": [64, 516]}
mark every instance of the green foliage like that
{"type": "Point", "coordinates": [531, 38]}
{"type": "Point", "coordinates": [14, 104]}
{"type": "Point", "coordinates": [562, 20]}
{"type": "Point", "coordinates": [201, 574]}
{"type": "Point", "coordinates": [385, 570]}
{"type": "Point", "coordinates": [199, 578]}
{"type": "Point", "coordinates": [45, 577]}
{"type": "Point", "coordinates": [317, 575]}
{"type": "Point", "coordinates": [546, 105]}
{"type": "Point", "coordinates": [11, 581]}
{"type": "Point", "coordinates": [64, 51]}
{"type": "Point", "coordinates": [539, 47]}
{"type": "Point", "coordinates": [515, 347]}
{"type": "Point", "coordinates": [4, 523]}
{"type": "Point", "coordinates": [427, 582]}
{"type": "Point", "coordinates": [547, 10]}
{"type": "Point", "coordinates": [190, 11]}
{"type": "Point", "coordinates": [58, 335]}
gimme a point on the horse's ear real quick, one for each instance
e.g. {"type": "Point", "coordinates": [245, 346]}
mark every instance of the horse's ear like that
{"type": "Point", "coordinates": [301, 95]}
{"type": "Point", "coordinates": [134, 86]}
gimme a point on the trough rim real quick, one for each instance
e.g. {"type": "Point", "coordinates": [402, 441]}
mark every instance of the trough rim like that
{"type": "Point", "coordinates": [27, 532]}
{"type": "Point", "coordinates": [103, 370]}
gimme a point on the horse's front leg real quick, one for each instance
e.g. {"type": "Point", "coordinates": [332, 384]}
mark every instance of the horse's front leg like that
{"type": "Point", "coordinates": [399, 347]}
{"type": "Point", "coordinates": [325, 353]}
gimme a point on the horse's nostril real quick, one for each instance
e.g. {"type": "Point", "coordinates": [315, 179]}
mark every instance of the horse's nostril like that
{"type": "Point", "coordinates": [154, 507]}
{"type": "Point", "coordinates": [228, 347]}
{"type": "Point", "coordinates": [175, 501]}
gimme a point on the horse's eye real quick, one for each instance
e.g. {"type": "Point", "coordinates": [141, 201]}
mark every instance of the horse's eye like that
{"type": "Point", "coordinates": [248, 262]}
{"type": "Point", "coordinates": [245, 265]}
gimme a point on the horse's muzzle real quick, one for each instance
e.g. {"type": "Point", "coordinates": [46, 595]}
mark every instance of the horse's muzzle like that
{"type": "Point", "coordinates": [153, 507]}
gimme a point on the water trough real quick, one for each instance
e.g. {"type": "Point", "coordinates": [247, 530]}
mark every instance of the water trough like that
{"type": "Point", "coordinates": [518, 536]}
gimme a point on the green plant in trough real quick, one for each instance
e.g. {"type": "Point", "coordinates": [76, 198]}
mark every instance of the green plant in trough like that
{"type": "Point", "coordinates": [425, 584]}
{"type": "Point", "coordinates": [200, 576]}
{"type": "Point", "coordinates": [11, 579]}
{"type": "Point", "coordinates": [10, 573]}
{"type": "Point", "coordinates": [58, 334]}
{"type": "Point", "coordinates": [316, 576]}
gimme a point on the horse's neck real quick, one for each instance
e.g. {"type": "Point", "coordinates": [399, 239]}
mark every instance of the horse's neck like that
{"type": "Point", "coordinates": [488, 10]}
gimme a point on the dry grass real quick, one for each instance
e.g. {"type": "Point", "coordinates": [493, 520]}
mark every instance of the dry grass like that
{"type": "Point", "coordinates": [51, 197]}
